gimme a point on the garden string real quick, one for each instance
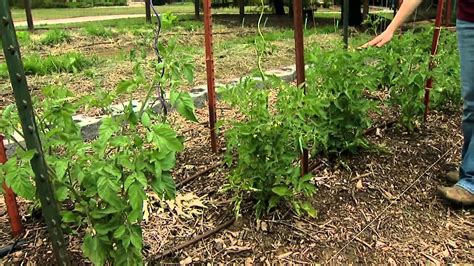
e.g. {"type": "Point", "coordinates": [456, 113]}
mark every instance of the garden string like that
{"type": "Point", "coordinates": [393, 202]}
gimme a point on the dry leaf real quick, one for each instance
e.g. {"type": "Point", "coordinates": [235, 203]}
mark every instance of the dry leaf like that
{"type": "Point", "coordinates": [146, 213]}
{"type": "Point", "coordinates": [359, 184]}
{"type": "Point", "coordinates": [187, 260]}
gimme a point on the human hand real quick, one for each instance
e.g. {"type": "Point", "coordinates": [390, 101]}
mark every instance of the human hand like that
{"type": "Point", "coordinates": [380, 40]}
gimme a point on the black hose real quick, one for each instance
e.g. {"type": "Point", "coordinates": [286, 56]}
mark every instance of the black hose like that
{"type": "Point", "coordinates": [4, 251]}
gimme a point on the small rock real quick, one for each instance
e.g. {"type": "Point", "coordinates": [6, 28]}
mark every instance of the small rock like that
{"type": "Point", "coordinates": [18, 254]}
{"type": "Point", "coordinates": [380, 244]}
{"type": "Point", "coordinates": [219, 246]}
{"type": "Point", "coordinates": [359, 184]}
{"type": "Point", "coordinates": [264, 226]}
{"type": "Point", "coordinates": [249, 261]}
{"type": "Point", "coordinates": [39, 243]}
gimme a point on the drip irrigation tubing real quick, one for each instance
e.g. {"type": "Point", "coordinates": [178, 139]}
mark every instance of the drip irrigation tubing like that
{"type": "Point", "coordinates": [194, 240]}
{"type": "Point", "coordinates": [393, 202]}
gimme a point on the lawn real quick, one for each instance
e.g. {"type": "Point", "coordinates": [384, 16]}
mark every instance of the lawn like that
{"type": "Point", "coordinates": [58, 13]}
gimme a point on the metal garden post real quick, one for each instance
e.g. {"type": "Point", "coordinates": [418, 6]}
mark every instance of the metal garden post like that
{"type": "Point", "coordinates": [434, 51]}
{"type": "Point", "coordinates": [300, 71]}
{"type": "Point", "coordinates": [44, 189]}
{"type": "Point", "coordinates": [10, 198]}
{"type": "Point", "coordinates": [211, 88]}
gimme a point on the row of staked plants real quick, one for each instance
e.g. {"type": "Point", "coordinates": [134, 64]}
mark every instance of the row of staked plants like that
{"type": "Point", "coordinates": [101, 184]}
{"type": "Point", "coordinates": [280, 120]}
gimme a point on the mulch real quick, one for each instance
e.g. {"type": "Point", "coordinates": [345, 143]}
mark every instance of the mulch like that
{"type": "Point", "coordinates": [363, 216]}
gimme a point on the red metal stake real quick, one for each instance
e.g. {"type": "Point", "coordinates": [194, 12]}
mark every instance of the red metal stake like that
{"type": "Point", "coordinates": [449, 13]}
{"type": "Point", "coordinates": [300, 74]}
{"type": "Point", "coordinates": [10, 198]}
{"type": "Point", "coordinates": [211, 91]}
{"type": "Point", "coordinates": [434, 50]}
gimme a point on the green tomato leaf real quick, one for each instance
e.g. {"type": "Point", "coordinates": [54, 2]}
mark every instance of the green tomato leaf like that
{"type": "Point", "coordinates": [184, 104]}
{"type": "Point", "coordinates": [136, 237]}
{"type": "Point", "coordinates": [136, 196]}
{"type": "Point", "coordinates": [94, 249]}
{"type": "Point", "coordinates": [281, 191]}
{"type": "Point", "coordinates": [108, 191]}
{"type": "Point", "coordinates": [120, 232]}
{"type": "Point", "coordinates": [165, 137]}
{"type": "Point", "coordinates": [164, 186]}
{"type": "Point", "coordinates": [188, 72]}
{"type": "Point", "coordinates": [60, 168]}
{"type": "Point", "coordinates": [146, 120]}
{"type": "Point", "coordinates": [19, 179]}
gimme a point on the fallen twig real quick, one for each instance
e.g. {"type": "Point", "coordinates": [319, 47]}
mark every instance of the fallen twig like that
{"type": "Point", "coordinates": [363, 242]}
{"type": "Point", "coordinates": [192, 241]}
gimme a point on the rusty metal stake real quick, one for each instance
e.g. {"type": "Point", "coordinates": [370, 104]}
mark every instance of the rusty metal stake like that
{"type": "Point", "coordinates": [300, 71]}
{"type": "Point", "coordinates": [211, 88]}
{"type": "Point", "coordinates": [10, 198]}
{"type": "Point", "coordinates": [449, 13]}
{"type": "Point", "coordinates": [434, 51]}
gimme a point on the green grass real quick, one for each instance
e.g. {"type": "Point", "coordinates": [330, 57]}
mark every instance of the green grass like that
{"type": "Point", "coordinates": [98, 31]}
{"type": "Point", "coordinates": [58, 13]}
{"type": "Point", "coordinates": [66, 63]}
{"type": "Point", "coordinates": [55, 36]}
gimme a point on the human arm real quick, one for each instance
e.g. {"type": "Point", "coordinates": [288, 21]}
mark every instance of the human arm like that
{"type": "Point", "coordinates": [406, 9]}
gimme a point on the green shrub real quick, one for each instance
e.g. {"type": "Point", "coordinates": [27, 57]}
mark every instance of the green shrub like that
{"type": "Point", "coordinates": [55, 36]}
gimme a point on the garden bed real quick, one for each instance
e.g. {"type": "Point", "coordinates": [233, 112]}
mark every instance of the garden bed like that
{"type": "Point", "coordinates": [353, 191]}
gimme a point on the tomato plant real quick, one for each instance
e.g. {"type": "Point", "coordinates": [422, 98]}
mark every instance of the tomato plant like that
{"type": "Point", "coordinates": [102, 183]}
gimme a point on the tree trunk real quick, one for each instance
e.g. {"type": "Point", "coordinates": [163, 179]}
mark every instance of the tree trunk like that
{"type": "Point", "coordinates": [365, 9]}
{"type": "Point", "coordinates": [148, 11]}
{"type": "Point", "coordinates": [29, 16]}
{"type": "Point", "coordinates": [196, 8]}
{"type": "Point", "coordinates": [355, 14]}
{"type": "Point", "coordinates": [241, 9]}
{"type": "Point", "coordinates": [290, 9]}
{"type": "Point", "coordinates": [279, 7]}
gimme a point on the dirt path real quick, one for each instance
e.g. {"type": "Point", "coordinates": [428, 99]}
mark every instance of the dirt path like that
{"type": "Point", "coordinates": [80, 19]}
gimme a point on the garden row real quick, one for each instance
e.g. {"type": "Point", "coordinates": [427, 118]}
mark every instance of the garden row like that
{"type": "Point", "coordinates": [101, 184]}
